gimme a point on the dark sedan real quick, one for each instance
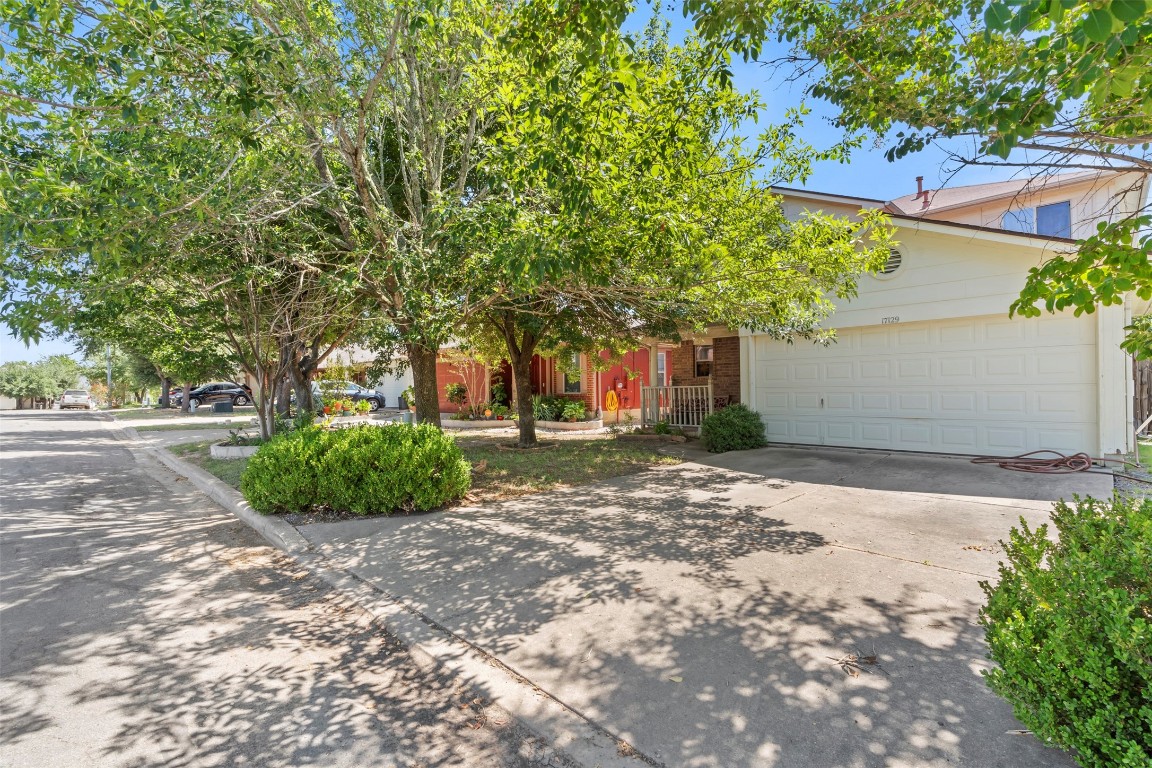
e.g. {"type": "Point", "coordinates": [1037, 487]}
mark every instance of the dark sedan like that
{"type": "Point", "coordinates": [216, 392]}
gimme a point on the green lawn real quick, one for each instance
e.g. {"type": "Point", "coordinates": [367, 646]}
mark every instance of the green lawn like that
{"type": "Point", "coordinates": [501, 474]}
{"type": "Point", "coordinates": [1146, 454]}
{"type": "Point", "coordinates": [205, 425]}
{"type": "Point", "coordinates": [228, 470]}
{"type": "Point", "coordinates": [141, 414]}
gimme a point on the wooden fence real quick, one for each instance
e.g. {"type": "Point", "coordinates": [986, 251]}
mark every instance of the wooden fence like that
{"type": "Point", "coordinates": [1142, 399]}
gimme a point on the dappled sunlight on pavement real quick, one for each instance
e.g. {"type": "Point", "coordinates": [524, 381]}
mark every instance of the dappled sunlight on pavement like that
{"type": "Point", "coordinates": [721, 618]}
{"type": "Point", "coordinates": [141, 625]}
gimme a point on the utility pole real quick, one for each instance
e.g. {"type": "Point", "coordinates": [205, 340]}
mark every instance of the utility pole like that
{"type": "Point", "coordinates": [108, 358]}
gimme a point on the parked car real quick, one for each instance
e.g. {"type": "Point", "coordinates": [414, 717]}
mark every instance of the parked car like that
{"type": "Point", "coordinates": [349, 390]}
{"type": "Point", "coordinates": [77, 398]}
{"type": "Point", "coordinates": [216, 392]}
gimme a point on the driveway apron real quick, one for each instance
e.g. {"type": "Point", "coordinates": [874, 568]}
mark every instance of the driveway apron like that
{"type": "Point", "coordinates": [707, 612]}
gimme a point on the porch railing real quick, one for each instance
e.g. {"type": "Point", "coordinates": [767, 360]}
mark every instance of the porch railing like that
{"type": "Point", "coordinates": [678, 406]}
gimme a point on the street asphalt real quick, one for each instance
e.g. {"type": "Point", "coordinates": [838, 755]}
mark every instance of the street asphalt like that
{"type": "Point", "coordinates": [141, 625]}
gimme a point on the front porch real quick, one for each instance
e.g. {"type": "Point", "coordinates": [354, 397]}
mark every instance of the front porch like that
{"type": "Point", "coordinates": [692, 379]}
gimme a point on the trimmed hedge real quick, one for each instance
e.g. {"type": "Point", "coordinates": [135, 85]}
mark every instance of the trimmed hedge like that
{"type": "Point", "coordinates": [735, 428]}
{"type": "Point", "coordinates": [1070, 624]}
{"type": "Point", "coordinates": [364, 470]}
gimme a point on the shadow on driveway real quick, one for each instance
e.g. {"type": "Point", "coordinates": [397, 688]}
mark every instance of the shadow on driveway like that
{"type": "Point", "coordinates": [699, 611]}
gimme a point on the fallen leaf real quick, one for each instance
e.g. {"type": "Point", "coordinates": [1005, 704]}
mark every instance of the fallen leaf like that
{"type": "Point", "coordinates": [676, 679]}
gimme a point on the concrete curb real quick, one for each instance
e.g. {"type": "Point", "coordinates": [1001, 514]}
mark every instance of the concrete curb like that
{"type": "Point", "coordinates": [576, 736]}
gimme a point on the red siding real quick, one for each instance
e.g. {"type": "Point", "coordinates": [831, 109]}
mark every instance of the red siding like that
{"type": "Point", "coordinates": [625, 378]}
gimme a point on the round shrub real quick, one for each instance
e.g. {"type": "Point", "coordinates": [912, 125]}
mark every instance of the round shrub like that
{"type": "Point", "coordinates": [735, 428]}
{"type": "Point", "coordinates": [364, 470]}
{"type": "Point", "coordinates": [1070, 625]}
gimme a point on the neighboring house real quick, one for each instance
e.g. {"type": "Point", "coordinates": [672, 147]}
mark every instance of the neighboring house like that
{"type": "Point", "coordinates": [926, 357]}
{"type": "Point", "coordinates": [358, 358]}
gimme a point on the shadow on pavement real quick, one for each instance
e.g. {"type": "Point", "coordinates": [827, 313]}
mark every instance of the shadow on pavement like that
{"type": "Point", "coordinates": [143, 626]}
{"type": "Point", "coordinates": [677, 609]}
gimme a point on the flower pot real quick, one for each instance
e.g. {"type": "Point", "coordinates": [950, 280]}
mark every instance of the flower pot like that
{"type": "Point", "coordinates": [327, 410]}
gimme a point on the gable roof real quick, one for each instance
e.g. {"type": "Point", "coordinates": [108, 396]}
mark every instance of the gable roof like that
{"type": "Point", "coordinates": [919, 222]}
{"type": "Point", "coordinates": [948, 198]}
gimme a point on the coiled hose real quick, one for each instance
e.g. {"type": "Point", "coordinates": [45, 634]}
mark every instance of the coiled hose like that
{"type": "Point", "coordinates": [1049, 463]}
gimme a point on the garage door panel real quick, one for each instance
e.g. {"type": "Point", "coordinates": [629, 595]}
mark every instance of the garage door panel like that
{"type": "Point", "coordinates": [974, 385]}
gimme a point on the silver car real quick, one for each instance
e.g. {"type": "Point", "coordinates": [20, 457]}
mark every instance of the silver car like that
{"type": "Point", "coordinates": [77, 398]}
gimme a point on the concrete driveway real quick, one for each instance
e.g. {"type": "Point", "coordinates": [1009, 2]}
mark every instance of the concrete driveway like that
{"type": "Point", "coordinates": [698, 611]}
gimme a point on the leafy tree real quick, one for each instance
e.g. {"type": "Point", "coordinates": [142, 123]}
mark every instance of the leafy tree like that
{"type": "Point", "coordinates": [662, 237]}
{"type": "Point", "coordinates": [1068, 81]}
{"type": "Point", "coordinates": [43, 381]}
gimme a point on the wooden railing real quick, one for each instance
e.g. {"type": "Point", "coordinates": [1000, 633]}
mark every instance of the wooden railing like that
{"type": "Point", "coordinates": [677, 406]}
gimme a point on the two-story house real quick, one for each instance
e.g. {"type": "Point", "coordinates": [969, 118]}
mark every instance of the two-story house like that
{"type": "Point", "coordinates": [927, 358]}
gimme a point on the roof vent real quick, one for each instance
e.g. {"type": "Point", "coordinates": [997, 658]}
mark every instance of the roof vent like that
{"type": "Point", "coordinates": [895, 259]}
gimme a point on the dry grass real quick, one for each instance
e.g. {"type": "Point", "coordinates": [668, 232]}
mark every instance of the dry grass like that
{"type": "Point", "coordinates": [499, 474]}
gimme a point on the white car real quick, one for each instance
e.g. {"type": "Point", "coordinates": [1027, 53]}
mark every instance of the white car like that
{"type": "Point", "coordinates": [77, 398]}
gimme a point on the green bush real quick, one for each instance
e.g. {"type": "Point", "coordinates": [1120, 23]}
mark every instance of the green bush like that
{"type": "Point", "coordinates": [1070, 625]}
{"type": "Point", "coordinates": [364, 470]}
{"type": "Point", "coordinates": [735, 428]}
{"type": "Point", "coordinates": [551, 408]}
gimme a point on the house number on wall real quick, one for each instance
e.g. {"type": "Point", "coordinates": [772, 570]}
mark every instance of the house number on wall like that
{"type": "Point", "coordinates": [887, 320]}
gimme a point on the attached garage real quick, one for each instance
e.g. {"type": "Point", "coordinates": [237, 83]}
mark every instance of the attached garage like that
{"type": "Point", "coordinates": [927, 359]}
{"type": "Point", "coordinates": [973, 385]}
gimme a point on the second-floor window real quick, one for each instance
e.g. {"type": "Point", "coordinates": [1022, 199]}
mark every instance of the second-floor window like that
{"type": "Point", "coordinates": [1054, 220]}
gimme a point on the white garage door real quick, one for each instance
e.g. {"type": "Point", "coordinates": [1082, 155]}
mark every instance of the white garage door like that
{"type": "Point", "coordinates": [392, 386]}
{"type": "Point", "coordinates": [975, 385]}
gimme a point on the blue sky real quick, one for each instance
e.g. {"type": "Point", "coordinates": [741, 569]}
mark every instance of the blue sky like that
{"type": "Point", "coordinates": [868, 174]}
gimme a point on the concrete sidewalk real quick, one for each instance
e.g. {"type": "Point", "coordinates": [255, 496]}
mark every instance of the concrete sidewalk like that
{"type": "Point", "coordinates": [698, 611]}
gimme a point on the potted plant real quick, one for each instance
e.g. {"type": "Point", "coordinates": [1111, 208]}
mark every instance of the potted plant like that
{"type": "Point", "coordinates": [500, 411]}
{"type": "Point", "coordinates": [363, 407]}
{"type": "Point", "coordinates": [409, 398]}
{"type": "Point", "coordinates": [573, 411]}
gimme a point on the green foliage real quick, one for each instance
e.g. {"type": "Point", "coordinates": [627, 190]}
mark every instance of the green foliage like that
{"type": "Point", "coordinates": [1070, 626]}
{"type": "Point", "coordinates": [550, 407]}
{"type": "Point", "coordinates": [45, 379]}
{"type": "Point", "coordinates": [573, 410]}
{"type": "Point", "coordinates": [735, 428]}
{"type": "Point", "coordinates": [363, 470]}
{"type": "Point", "coordinates": [456, 393]}
{"type": "Point", "coordinates": [661, 428]}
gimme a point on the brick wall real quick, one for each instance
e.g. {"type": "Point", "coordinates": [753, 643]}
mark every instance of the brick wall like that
{"type": "Point", "coordinates": [725, 367]}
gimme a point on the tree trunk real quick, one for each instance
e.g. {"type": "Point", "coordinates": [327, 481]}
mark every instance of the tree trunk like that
{"type": "Point", "coordinates": [283, 396]}
{"type": "Point", "coordinates": [184, 405]}
{"type": "Point", "coordinates": [265, 402]}
{"type": "Point", "coordinates": [302, 385]}
{"type": "Point", "coordinates": [423, 362]}
{"type": "Point", "coordinates": [522, 384]}
{"type": "Point", "coordinates": [165, 385]}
